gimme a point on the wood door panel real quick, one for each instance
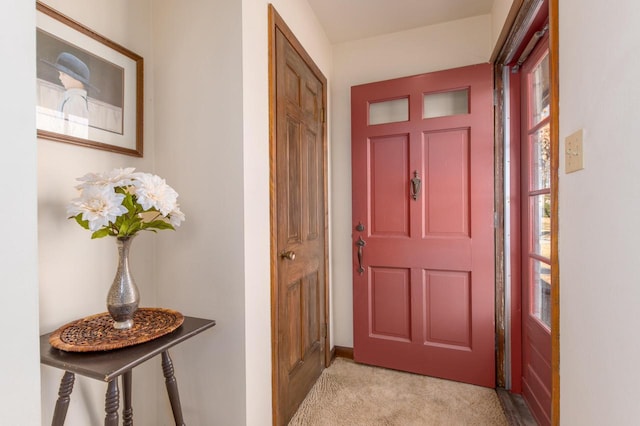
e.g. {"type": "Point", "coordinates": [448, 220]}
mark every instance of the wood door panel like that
{"type": "Point", "coordinates": [313, 184]}
{"type": "Point", "coordinates": [446, 183]}
{"type": "Point", "coordinates": [304, 319]}
{"type": "Point", "coordinates": [291, 85]}
{"type": "Point", "coordinates": [294, 326]}
{"type": "Point", "coordinates": [292, 163]}
{"type": "Point", "coordinates": [447, 301]}
{"type": "Point", "coordinates": [309, 102]}
{"type": "Point", "coordinates": [311, 317]}
{"type": "Point", "coordinates": [389, 168]}
{"type": "Point", "coordinates": [390, 303]}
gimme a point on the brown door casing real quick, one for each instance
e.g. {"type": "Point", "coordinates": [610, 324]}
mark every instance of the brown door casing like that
{"type": "Point", "coordinates": [298, 221]}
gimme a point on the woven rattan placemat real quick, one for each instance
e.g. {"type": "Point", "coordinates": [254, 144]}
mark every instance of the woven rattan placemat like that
{"type": "Point", "coordinates": [96, 332]}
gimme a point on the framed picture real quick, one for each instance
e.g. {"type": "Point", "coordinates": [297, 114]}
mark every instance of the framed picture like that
{"type": "Point", "coordinates": [89, 89]}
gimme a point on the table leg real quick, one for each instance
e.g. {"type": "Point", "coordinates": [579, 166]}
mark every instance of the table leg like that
{"type": "Point", "coordinates": [62, 404]}
{"type": "Point", "coordinates": [127, 412]}
{"type": "Point", "coordinates": [112, 403]}
{"type": "Point", "coordinates": [172, 388]}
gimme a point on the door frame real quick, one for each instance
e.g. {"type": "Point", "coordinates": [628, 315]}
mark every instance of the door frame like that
{"type": "Point", "coordinates": [276, 22]}
{"type": "Point", "coordinates": [513, 39]}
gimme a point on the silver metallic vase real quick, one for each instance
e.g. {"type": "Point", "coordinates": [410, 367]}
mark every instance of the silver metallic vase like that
{"type": "Point", "coordinates": [123, 297]}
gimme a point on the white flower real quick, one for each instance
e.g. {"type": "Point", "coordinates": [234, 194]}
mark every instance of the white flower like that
{"type": "Point", "coordinates": [115, 203]}
{"type": "Point", "coordinates": [153, 192]}
{"type": "Point", "coordinates": [176, 217]}
{"type": "Point", "coordinates": [99, 205]}
{"type": "Point", "coordinates": [116, 177]}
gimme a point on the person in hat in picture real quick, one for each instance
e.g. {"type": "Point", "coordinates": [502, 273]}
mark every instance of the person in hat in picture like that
{"type": "Point", "coordinates": [74, 76]}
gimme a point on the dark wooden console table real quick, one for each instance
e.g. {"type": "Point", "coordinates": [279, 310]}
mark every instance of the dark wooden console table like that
{"type": "Point", "coordinates": [108, 366]}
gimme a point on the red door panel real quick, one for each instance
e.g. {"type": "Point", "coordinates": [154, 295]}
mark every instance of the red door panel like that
{"type": "Point", "coordinates": [447, 182]}
{"type": "Point", "coordinates": [390, 304]}
{"type": "Point", "coordinates": [448, 309]}
{"type": "Point", "coordinates": [389, 167]}
{"type": "Point", "coordinates": [423, 228]}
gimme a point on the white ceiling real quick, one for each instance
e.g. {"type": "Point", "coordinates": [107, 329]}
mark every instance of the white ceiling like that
{"type": "Point", "coordinates": [345, 20]}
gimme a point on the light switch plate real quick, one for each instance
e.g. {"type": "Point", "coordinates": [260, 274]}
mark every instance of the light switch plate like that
{"type": "Point", "coordinates": [573, 158]}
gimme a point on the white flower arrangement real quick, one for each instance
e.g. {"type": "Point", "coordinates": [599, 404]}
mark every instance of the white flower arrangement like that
{"type": "Point", "coordinates": [122, 202]}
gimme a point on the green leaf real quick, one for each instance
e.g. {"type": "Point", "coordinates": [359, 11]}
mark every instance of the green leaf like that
{"type": "Point", "coordinates": [135, 227]}
{"type": "Point", "coordinates": [83, 223]}
{"type": "Point", "coordinates": [119, 220]}
{"type": "Point", "coordinates": [100, 233]}
{"type": "Point", "coordinates": [157, 224]}
{"type": "Point", "coordinates": [123, 229]}
{"type": "Point", "coordinates": [128, 203]}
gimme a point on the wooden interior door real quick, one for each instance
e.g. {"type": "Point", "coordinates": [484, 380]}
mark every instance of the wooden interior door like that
{"type": "Point", "coordinates": [423, 224]}
{"type": "Point", "coordinates": [536, 232]}
{"type": "Point", "coordinates": [298, 221]}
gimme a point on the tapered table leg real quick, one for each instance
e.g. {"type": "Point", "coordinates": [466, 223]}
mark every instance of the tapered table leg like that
{"type": "Point", "coordinates": [127, 412]}
{"type": "Point", "coordinates": [62, 404]}
{"type": "Point", "coordinates": [112, 403]}
{"type": "Point", "coordinates": [172, 388]}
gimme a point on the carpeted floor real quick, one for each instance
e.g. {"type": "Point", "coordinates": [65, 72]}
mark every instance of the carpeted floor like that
{"type": "Point", "coordinates": [359, 395]}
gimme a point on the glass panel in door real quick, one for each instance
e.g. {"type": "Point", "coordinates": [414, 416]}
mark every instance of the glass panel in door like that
{"type": "Point", "coordinates": [540, 91]}
{"type": "Point", "coordinates": [540, 301]}
{"type": "Point", "coordinates": [540, 158]}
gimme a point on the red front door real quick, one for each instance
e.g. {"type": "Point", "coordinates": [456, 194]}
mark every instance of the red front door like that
{"type": "Point", "coordinates": [423, 232]}
{"type": "Point", "coordinates": [536, 233]}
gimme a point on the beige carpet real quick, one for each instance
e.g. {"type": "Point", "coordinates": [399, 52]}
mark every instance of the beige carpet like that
{"type": "Point", "coordinates": [357, 395]}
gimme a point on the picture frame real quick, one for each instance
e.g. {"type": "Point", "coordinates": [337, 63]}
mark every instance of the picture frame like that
{"type": "Point", "coordinates": [89, 88]}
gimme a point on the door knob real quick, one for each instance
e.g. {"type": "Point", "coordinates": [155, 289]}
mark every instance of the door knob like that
{"type": "Point", "coordinates": [291, 255]}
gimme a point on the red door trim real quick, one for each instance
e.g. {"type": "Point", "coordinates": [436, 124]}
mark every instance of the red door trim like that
{"type": "Point", "coordinates": [515, 230]}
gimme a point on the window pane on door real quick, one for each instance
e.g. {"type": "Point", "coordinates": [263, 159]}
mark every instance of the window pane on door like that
{"type": "Point", "coordinates": [540, 300]}
{"type": "Point", "coordinates": [540, 158]}
{"type": "Point", "coordinates": [445, 103]}
{"type": "Point", "coordinates": [540, 214]}
{"type": "Point", "coordinates": [540, 91]}
{"type": "Point", "coordinates": [392, 111]}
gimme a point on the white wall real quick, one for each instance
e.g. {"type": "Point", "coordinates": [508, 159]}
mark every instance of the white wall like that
{"type": "Point", "coordinates": [75, 272]}
{"type": "Point", "coordinates": [20, 401]}
{"type": "Point", "coordinates": [256, 199]}
{"type": "Point", "coordinates": [302, 22]}
{"type": "Point", "coordinates": [199, 147]}
{"type": "Point", "coordinates": [437, 47]}
{"type": "Point", "coordinates": [599, 214]}
{"type": "Point", "coordinates": [499, 12]}
{"type": "Point", "coordinates": [218, 157]}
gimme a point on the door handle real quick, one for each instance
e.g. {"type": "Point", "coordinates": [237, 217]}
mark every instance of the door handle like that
{"type": "Point", "coordinates": [416, 185]}
{"type": "Point", "coordinates": [360, 243]}
{"type": "Point", "coordinates": [290, 255]}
